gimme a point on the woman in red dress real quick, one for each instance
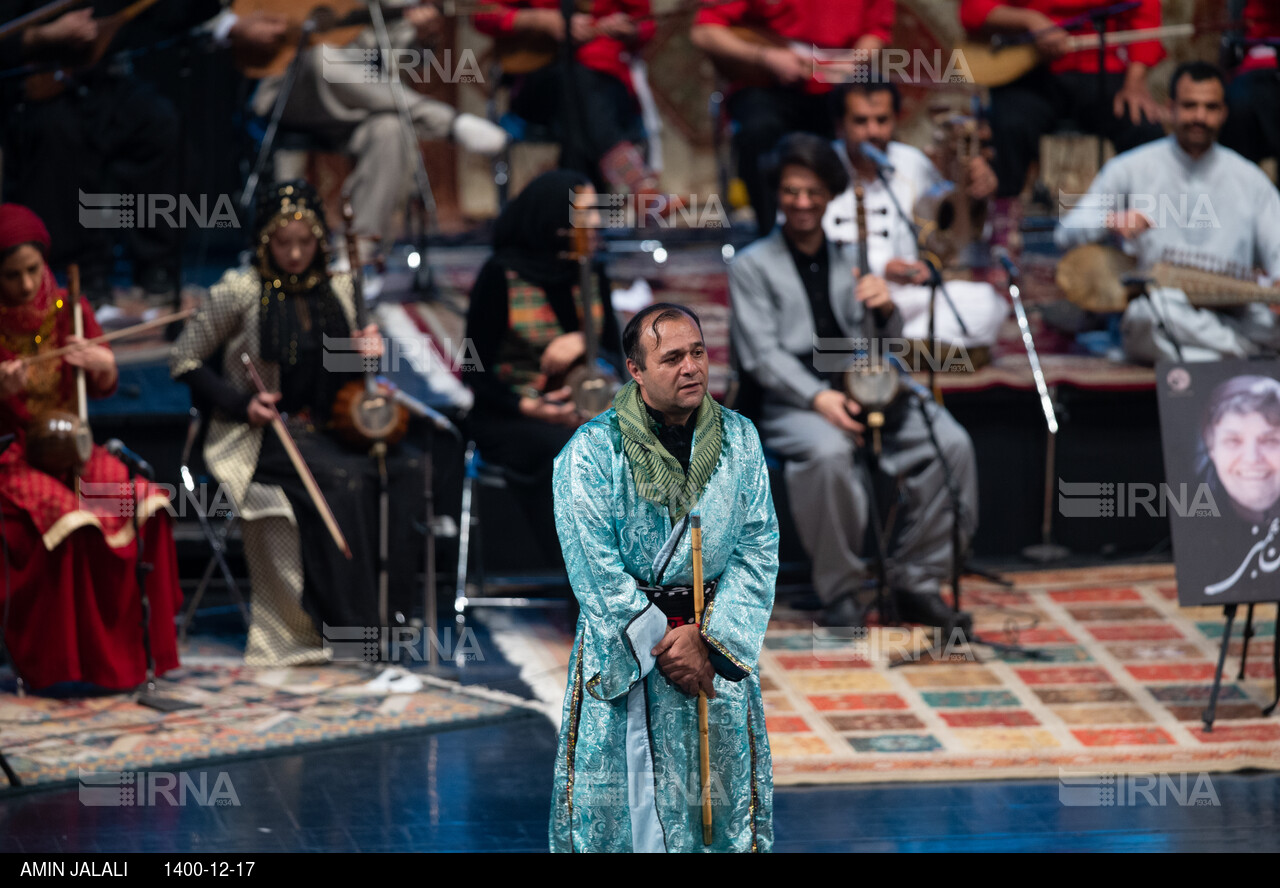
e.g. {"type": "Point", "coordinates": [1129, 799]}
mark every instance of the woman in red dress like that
{"type": "Point", "coordinates": [71, 610]}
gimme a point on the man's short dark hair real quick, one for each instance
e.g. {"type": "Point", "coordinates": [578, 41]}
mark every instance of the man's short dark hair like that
{"type": "Point", "coordinates": [651, 316]}
{"type": "Point", "coordinates": [840, 96]}
{"type": "Point", "coordinates": [1199, 72]}
{"type": "Point", "coordinates": [815, 154]}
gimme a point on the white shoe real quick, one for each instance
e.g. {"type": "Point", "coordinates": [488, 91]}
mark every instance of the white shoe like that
{"type": "Point", "coordinates": [395, 680]}
{"type": "Point", "coordinates": [477, 135]}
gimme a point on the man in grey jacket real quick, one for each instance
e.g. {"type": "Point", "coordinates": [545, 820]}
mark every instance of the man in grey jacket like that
{"type": "Point", "coordinates": [797, 298]}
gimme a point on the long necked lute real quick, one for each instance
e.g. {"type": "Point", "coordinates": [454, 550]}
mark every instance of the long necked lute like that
{"type": "Point", "coordinates": [995, 66]}
{"type": "Point", "coordinates": [364, 413]}
{"type": "Point", "coordinates": [58, 441]}
{"type": "Point", "coordinates": [870, 380]}
{"type": "Point", "coordinates": [593, 388]}
{"type": "Point", "coordinates": [1102, 279]}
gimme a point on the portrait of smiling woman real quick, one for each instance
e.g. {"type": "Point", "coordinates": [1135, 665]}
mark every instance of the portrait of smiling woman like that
{"type": "Point", "coordinates": [1241, 439]}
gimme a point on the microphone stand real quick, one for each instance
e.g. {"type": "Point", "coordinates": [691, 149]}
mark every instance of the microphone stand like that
{"type": "Point", "coordinates": [1046, 551]}
{"type": "Point", "coordinates": [958, 551]}
{"type": "Point", "coordinates": [936, 282]}
{"type": "Point", "coordinates": [273, 122]}
{"type": "Point", "coordinates": [430, 622]}
{"type": "Point", "coordinates": [424, 277]}
{"type": "Point", "coordinates": [147, 695]}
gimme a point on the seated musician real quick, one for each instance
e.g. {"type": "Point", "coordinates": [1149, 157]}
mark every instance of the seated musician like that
{"type": "Point", "coordinates": [786, 290]}
{"type": "Point", "coordinates": [1066, 85]}
{"type": "Point", "coordinates": [280, 313]}
{"type": "Point", "coordinates": [74, 608]}
{"type": "Point", "coordinates": [1190, 200]}
{"type": "Point", "coordinates": [867, 113]}
{"type": "Point", "coordinates": [362, 117]}
{"type": "Point", "coordinates": [1253, 96]}
{"type": "Point", "coordinates": [594, 113]}
{"type": "Point", "coordinates": [107, 131]}
{"type": "Point", "coordinates": [525, 325]}
{"type": "Point", "coordinates": [765, 48]}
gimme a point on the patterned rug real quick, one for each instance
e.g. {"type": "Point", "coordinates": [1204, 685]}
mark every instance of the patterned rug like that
{"type": "Point", "coordinates": [242, 712]}
{"type": "Point", "coordinates": [1126, 677]}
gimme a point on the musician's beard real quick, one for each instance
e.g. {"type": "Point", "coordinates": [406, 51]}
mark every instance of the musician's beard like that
{"type": "Point", "coordinates": [1196, 138]}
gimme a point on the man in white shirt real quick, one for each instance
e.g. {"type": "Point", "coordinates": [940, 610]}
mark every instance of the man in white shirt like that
{"type": "Point", "coordinates": [1187, 194]}
{"type": "Point", "coordinates": [867, 113]}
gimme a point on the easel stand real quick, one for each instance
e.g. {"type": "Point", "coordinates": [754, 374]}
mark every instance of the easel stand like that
{"type": "Point", "coordinates": [1229, 611]}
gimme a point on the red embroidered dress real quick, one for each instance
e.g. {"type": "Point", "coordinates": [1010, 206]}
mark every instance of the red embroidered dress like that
{"type": "Point", "coordinates": [74, 609]}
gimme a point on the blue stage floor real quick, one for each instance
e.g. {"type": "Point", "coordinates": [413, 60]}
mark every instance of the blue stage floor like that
{"type": "Point", "coordinates": [488, 789]}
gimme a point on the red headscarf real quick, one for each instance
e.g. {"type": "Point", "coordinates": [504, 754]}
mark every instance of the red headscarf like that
{"type": "Point", "coordinates": [18, 225]}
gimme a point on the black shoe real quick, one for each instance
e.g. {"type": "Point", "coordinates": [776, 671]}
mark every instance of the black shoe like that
{"type": "Point", "coordinates": [929, 608]}
{"type": "Point", "coordinates": [845, 613]}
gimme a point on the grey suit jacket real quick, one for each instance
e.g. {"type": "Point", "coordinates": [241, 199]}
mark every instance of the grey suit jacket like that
{"type": "Point", "coordinates": [771, 321]}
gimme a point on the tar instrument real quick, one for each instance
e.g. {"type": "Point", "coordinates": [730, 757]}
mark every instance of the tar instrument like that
{"type": "Point", "coordinates": [333, 22]}
{"type": "Point", "coordinates": [995, 66]}
{"type": "Point", "coordinates": [593, 388]}
{"type": "Point", "coordinates": [950, 220]}
{"type": "Point", "coordinates": [46, 85]}
{"type": "Point", "coordinates": [363, 412]}
{"type": "Point", "coordinates": [59, 442]}
{"type": "Point", "coordinates": [1103, 279]}
{"type": "Point", "coordinates": [870, 380]}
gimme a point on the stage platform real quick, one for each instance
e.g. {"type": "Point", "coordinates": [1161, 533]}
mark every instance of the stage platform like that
{"type": "Point", "coordinates": [1108, 412]}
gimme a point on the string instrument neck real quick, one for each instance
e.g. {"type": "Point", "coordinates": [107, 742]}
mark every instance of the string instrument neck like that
{"type": "Point", "coordinates": [860, 225]}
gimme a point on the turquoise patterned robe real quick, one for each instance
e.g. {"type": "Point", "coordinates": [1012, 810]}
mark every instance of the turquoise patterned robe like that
{"type": "Point", "coordinates": [627, 775]}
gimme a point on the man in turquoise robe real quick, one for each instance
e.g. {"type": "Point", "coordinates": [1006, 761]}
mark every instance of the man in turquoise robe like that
{"type": "Point", "coordinates": [627, 772]}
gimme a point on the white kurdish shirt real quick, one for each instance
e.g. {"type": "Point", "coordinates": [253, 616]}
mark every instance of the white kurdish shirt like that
{"type": "Point", "coordinates": [890, 237]}
{"type": "Point", "coordinates": [1220, 206]}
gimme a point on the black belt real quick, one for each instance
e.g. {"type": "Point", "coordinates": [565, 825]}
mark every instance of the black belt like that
{"type": "Point", "coordinates": [676, 602]}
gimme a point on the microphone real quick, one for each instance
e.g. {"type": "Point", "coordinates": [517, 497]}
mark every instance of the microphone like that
{"type": "Point", "coordinates": [117, 448]}
{"type": "Point", "coordinates": [422, 411]}
{"type": "Point", "coordinates": [876, 156]}
{"type": "Point", "coordinates": [1001, 255]}
{"type": "Point", "coordinates": [5, 441]}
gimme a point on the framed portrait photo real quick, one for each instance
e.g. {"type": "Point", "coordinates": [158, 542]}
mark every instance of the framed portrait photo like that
{"type": "Point", "coordinates": [1220, 429]}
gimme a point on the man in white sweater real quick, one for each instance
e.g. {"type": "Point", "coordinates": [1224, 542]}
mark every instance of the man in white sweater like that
{"type": "Point", "coordinates": [1187, 197]}
{"type": "Point", "coordinates": [867, 114]}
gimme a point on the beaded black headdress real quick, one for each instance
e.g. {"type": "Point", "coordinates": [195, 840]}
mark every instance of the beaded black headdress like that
{"type": "Point", "coordinates": [278, 206]}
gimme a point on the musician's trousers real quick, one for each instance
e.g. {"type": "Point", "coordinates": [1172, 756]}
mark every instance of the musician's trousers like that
{"type": "Point", "coordinates": [361, 119]}
{"type": "Point", "coordinates": [831, 508]}
{"type": "Point", "coordinates": [1203, 334]}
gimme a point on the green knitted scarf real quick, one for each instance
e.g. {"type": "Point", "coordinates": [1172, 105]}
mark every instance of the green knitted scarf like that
{"type": "Point", "coordinates": [657, 473]}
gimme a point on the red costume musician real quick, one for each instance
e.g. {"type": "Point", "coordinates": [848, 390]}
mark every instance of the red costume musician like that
{"type": "Point", "coordinates": [74, 612]}
{"type": "Point", "coordinates": [765, 49]}
{"type": "Point", "coordinates": [1066, 86]}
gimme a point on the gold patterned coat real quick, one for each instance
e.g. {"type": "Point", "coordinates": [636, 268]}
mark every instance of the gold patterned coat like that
{"type": "Point", "coordinates": [229, 318]}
